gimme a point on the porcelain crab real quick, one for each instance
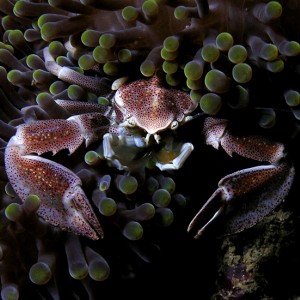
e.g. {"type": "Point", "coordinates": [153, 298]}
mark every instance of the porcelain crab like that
{"type": "Point", "coordinates": [142, 106]}
{"type": "Point", "coordinates": [140, 110]}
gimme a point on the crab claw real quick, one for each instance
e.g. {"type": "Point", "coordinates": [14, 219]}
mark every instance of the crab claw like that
{"type": "Point", "coordinates": [63, 202]}
{"type": "Point", "coordinates": [245, 197]}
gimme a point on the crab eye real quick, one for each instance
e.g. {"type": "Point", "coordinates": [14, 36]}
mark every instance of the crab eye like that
{"type": "Point", "coordinates": [174, 125]}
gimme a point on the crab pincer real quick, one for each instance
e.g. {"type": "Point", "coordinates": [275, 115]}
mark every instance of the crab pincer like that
{"type": "Point", "coordinates": [246, 196]}
{"type": "Point", "coordinates": [63, 202]}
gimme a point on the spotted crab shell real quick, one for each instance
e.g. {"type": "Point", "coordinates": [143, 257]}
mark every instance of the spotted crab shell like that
{"type": "Point", "coordinates": [151, 106]}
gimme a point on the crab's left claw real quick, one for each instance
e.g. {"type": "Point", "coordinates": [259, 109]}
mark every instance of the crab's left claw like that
{"type": "Point", "coordinates": [246, 196]}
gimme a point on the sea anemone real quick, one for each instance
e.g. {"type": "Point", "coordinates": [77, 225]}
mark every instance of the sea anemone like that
{"type": "Point", "coordinates": [237, 59]}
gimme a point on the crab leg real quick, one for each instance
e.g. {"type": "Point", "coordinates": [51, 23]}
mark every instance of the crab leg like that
{"type": "Point", "coordinates": [63, 202]}
{"type": "Point", "coordinates": [246, 196]}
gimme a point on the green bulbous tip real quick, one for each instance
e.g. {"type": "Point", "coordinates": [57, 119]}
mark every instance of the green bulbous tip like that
{"type": "Point", "coordinates": [78, 270]}
{"type": "Point", "coordinates": [88, 38]}
{"type": "Point", "coordinates": [127, 184]}
{"type": "Point", "coordinates": [111, 68]}
{"type": "Point", "coordinates": [99, 270]}
{"type": "Point", "coordinates": [15, 77]}
{"type": "Point", "coordinates": [56, 49]}
{"type": "Point", "coordinates": [181, 13]}
{"type": "Point", "coordinates": [20, 8]}
{"type": "Point", "coordinates": [194, 84]}
{"type": "Point", "coordinates": [170, 67]}
{"type": "Point", "coordinates": [237, 54]}
{"type": "Point", "coordinates": [39, 76]}
{"type": "Point", "coordinates": [147, 68]}
{"type": "Point", "coordinates": [166, 55]}
{"type": "Point", "coordinates": [86, 62]}
{"type": "Point", "coordinates": [196, 95]}
{"type": "Point", "coordinates": [269, 52]}
{"type": "Point", "coordinates": [48, 31]}
{"type": "Point", "coordinates": [57, 87]}
{"type": "Point", "coordinates": [152, 185]}
{"type": "Point", "coordinates": [130, 13]}
{"type": "Point", "coordinates": [10, 292]}
{"type": "Point", "coordinates": [103, 101]}
{"type": "Point", "coordinates": [193, 70]}
{"type": "Point", "coordinates": [125, 55]}
{"type": "Point", "coordinates": [107, 40]}
{"type": "Point", "coordinates": [102, 55]}
{"type": "Point", "coordinates": [242, 73]}
{"type": "Point", "coordinates": [7, 47]}
{"type": "Point", "coordinates": [41, 20]}
{"type": "Point", "coordinates": [171, 43]}
{"type": "Point", "coordinates": [75, 92]}
{"type": "Point", "coordinates": [275, 66]}
{"type": "Point", "coordinates": [161, 198]}
{"type": "Point", "coordinates": [42, 98]}
{"type": "Point", "coordinates": [168, 184]}
{"type": "Point", "coordinates": [211, 103]}
{"type": "Point", "coordinates": [31, 60]}
{"type": "Point", "coordinates": [15, 36]}
{"type": "Point", "coordinates": [273, 10]}
{"type": "Point", "coordinates": [107, 206]}
{"type": "Point", "coordinates": [40, 273]}
{"type": "Point", "coordinates": [150, 8]}
{"type": "Point", "coordinates": [133, 231]}
{"type": "Point", "coordinates": [166, 216]}
{"type": "Point", "coordinates": [210, 53]}
{"type": "Point", "coordinates": [13, 211]}
{"type": "Point", "coordinates": [216, 81]}
{"type": "Point", "coordinates": [32, 203]}
{"type": "Point", "coordinates": [91, 158]}
{"type": "Point", "coordinates": [224, 41]}
{"type": "Point", "coordinates": [291, 48]}
{"type": "Point", "coordinates": [146, 211]}
{"type": "Point", "coordinates": [292, 98]}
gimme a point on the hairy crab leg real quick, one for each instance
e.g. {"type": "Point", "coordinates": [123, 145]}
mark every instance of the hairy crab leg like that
{"type": "Point", "coordinates": [246, 196]}
{"type": "Point", "coordinates": [63, 202]}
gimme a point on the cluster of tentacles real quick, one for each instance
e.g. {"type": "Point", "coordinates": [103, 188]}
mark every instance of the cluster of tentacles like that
{"type": "Point", "coordinates": [238, 59]}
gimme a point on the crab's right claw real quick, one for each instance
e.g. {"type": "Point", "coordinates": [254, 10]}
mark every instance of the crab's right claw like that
{"type": "Point", "coordinates": [63, 202]}
{"type": "Point", "coordinates": [245, 197]}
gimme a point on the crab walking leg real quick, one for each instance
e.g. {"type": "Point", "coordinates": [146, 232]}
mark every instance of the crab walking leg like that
{"type": "Point", "coordinates": [63, 202]}
{"type": "Point", "coordinates": [216, 133]}
{"type": "Point", "coordinates": [245, 197]}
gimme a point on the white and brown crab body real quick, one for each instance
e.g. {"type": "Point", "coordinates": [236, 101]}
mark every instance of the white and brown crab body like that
{"type": "Point", "coordinates": [63, 202]}
{"type": "Point", "coordinates": [140, 108]}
